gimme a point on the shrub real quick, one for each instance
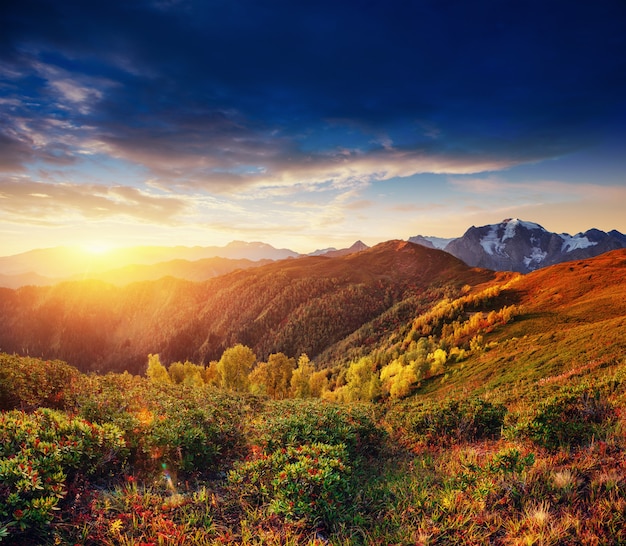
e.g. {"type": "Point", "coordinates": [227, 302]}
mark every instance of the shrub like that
{"type": "Point", "coordinates": [40, 453]}
{"type": "Point", "coordinates": [28, 383]}
{"type": "Point", "coordinates": [194, 429]}
{"type": "Point", "coordinates": [571, 418]}
{"type": "Point", "coordinates": [450, 422]}
{"type": "Point", "coordinates": [185, 437]}
{"type": "Point", "coordinates": [292, 423]}
{"type": "Point", "coordinates": [308, 483]}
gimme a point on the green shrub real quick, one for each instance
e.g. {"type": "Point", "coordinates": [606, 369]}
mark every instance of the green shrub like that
{"type": "Point", "coordinates": [449, 422]}
{"type": "Point", "coordinates": [293, 423]}
{"type": "Point", "coordinates": [28, 383]}
{"type": "Point", "coordinates": [571, 418]}
{"type": "Point", "coordinates": [40, 453]}
{"type": "Point", "coordinates": [185, 437]}
{"type": "Point", "coordinates": [193, 429]}
{"type": "Point", "coordinates": [308, 483]}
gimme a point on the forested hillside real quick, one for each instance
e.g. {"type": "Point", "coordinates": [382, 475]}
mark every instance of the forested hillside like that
{"type": "Point", "coordinates": [461, 407]}
{"type": "Point", "coordinates": [293, 306]}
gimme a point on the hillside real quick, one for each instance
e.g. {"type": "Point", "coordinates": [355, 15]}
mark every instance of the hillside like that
{"type": "Point", "coordinates": [570, 320]}
{"type": "Point", "coordinates": [499, 415]}
{"type": "Point", "coordinates": [293, 306]}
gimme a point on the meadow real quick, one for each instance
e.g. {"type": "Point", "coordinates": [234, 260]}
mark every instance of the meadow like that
{"type": "Point", "coordinates": [120, 459]}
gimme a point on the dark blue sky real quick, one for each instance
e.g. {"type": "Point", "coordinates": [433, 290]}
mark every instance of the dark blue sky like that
{"type": "Point", "coordinates": [307, 124]}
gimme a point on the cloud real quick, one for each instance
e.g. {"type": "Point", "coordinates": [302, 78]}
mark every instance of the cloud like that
{"type": "Point", "coordinates": [13, 153]}
{"type": "Point", "coordinates": [551, 190]}
{"type": "Point", "coordinates": [204, 99]}
{"type": "Point", "coordinates": [24, 200]}
{"type": "Point", "coordinates": [170, 109]}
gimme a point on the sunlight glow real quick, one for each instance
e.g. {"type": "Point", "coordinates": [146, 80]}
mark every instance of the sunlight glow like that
{"type": "Point", "coordinates": [97, 247]}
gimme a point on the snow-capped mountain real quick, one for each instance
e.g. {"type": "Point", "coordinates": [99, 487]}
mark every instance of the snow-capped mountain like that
{"type": "Point", "coordinates": [430, 242]}
{"type": "Point", "coordinates": [515, 245]}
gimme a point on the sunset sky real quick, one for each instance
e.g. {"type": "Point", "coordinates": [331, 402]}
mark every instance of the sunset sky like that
{"type": "Point", "coordinates": [307, 124]}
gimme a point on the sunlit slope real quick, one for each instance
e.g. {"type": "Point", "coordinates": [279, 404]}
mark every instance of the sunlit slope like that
{"type": "Point", "coordinates": [294, 306]}
{"type": "Point", "coordinates": [572, 321]}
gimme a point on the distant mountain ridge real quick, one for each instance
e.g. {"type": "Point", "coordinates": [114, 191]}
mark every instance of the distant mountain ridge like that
{"type": "Point", "coordinates": [306, 305]}
{"type": "Point", "coordinates": [511, 245]}
{"type": "Point", "coordinates": [49, 266]}
{"type": "Point", "coordinates": [517, 245]}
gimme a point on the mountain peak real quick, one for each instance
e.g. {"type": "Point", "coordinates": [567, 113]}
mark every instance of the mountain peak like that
{"type": "Point", "coordinates": [514, 222]}
{"type": "Point", "coordinates": [518, 245]}
{"type": "Point", "coordinates": [358, 246]}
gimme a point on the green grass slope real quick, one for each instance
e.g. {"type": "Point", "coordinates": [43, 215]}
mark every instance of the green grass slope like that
{"type": "Point", "coordinates": [569, 318]}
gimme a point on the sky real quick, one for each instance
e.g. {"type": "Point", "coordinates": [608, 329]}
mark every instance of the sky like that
{"type": "Point", "coordinates": [307, 124]}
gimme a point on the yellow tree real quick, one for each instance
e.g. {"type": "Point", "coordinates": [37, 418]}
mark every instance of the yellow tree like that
{"type": "Point", "coordinates": [274, 376]}
{"type": "Point", "coordinates": [398, 379]}
{"type": "Point", "coordinates": [177, 372]}
{"type": "Point", "coordinates": [212, 374]}
{"type": "Point", "coordinates": [234, 367]}
{"type": "Point", "coordinates": [301, 377]}
{"type": "Point", "coordinates": [362, 381]}
{"type": "Point", "coordinates": [438, 361]}
{"type": "Point", "coordinates": [318, 383]}
{"type": "Point", "coordinates": [156, 372]}
{"type": "Point", "coordinates": [193, 374]}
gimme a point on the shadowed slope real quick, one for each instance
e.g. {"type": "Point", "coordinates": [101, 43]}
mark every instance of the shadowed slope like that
{"type": "Point", "coordinates": [293, 306]}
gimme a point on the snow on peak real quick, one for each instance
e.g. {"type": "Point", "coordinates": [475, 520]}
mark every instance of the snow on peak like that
{"type": "Point", "coordinates": [536, 257]}
{"type": "Point", "coordinates": [511, 228]}
{"type": "Point", "coordinates": [512, 223]}
{"type": "Point", "coordinates": [491, 243]}
{"type": "Point", "coordinates": [575, 242]}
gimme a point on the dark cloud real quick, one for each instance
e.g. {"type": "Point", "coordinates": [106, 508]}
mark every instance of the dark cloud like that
{"type": "Point", "coordinates": [13, 153]}
{"type": "Point", "coordinates": [227, 94]}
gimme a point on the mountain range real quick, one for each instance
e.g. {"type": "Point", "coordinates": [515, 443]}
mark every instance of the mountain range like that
{"type": "Point", "coordinates": [298, 306]}
{"type": "Point", "coordinates": [334, 309]}
{"type": "Point", "coordinates": [516, 245]}
{"type": "Point", "coordinates": [511, 245]}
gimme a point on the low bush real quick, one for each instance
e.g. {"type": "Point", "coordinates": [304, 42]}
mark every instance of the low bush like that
{"type": "Point", "coordinates": [570, 418]}
{"type": "Point", "coordinates": [189, 429]}
{"type": "Point", "coordinates": [29, 383]}
{"type": "Point", "coordinates": [40, 454]}
{"type": "Point", "coordinates": [449, 422]}
{"type": "Point", "coordinates": [308, 483]}
{"type": "Point", "coordinates": [293, 423]}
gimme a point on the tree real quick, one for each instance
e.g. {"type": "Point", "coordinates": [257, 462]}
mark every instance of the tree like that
{"type": "Point", "coordinates": [156, 372]}
{"type": "Point", "coordinates": [234, 367]}
{"type": "Point", "coordinates": [177, 372]}
{"type": "Point", "coordinates": [274, 376]}
{"type": "Point", "coordinates": [438, 361]}
{"type": "Point", "coordinates": [212, 374]}
{"type": "Point", "coordinates": [362, 381]}
{"type": "Point", "coordinates": [301, 377]}
{"type": "Point", "coordinates": [318, 383]}
{"type": "Point", "coordinates": [397, 379]}
{"type": "Point", "coordinates": [193, 374]}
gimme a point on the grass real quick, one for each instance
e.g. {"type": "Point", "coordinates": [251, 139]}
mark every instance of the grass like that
{"type": "Point", "coordinates": [409, 472]}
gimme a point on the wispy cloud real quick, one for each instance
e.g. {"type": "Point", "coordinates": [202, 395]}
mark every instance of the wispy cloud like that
{"type": "Point", "coordinates": [24, 200]}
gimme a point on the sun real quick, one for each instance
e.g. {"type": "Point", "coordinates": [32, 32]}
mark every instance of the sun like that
{"type": "Point", "coordinates": [97, 247]}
